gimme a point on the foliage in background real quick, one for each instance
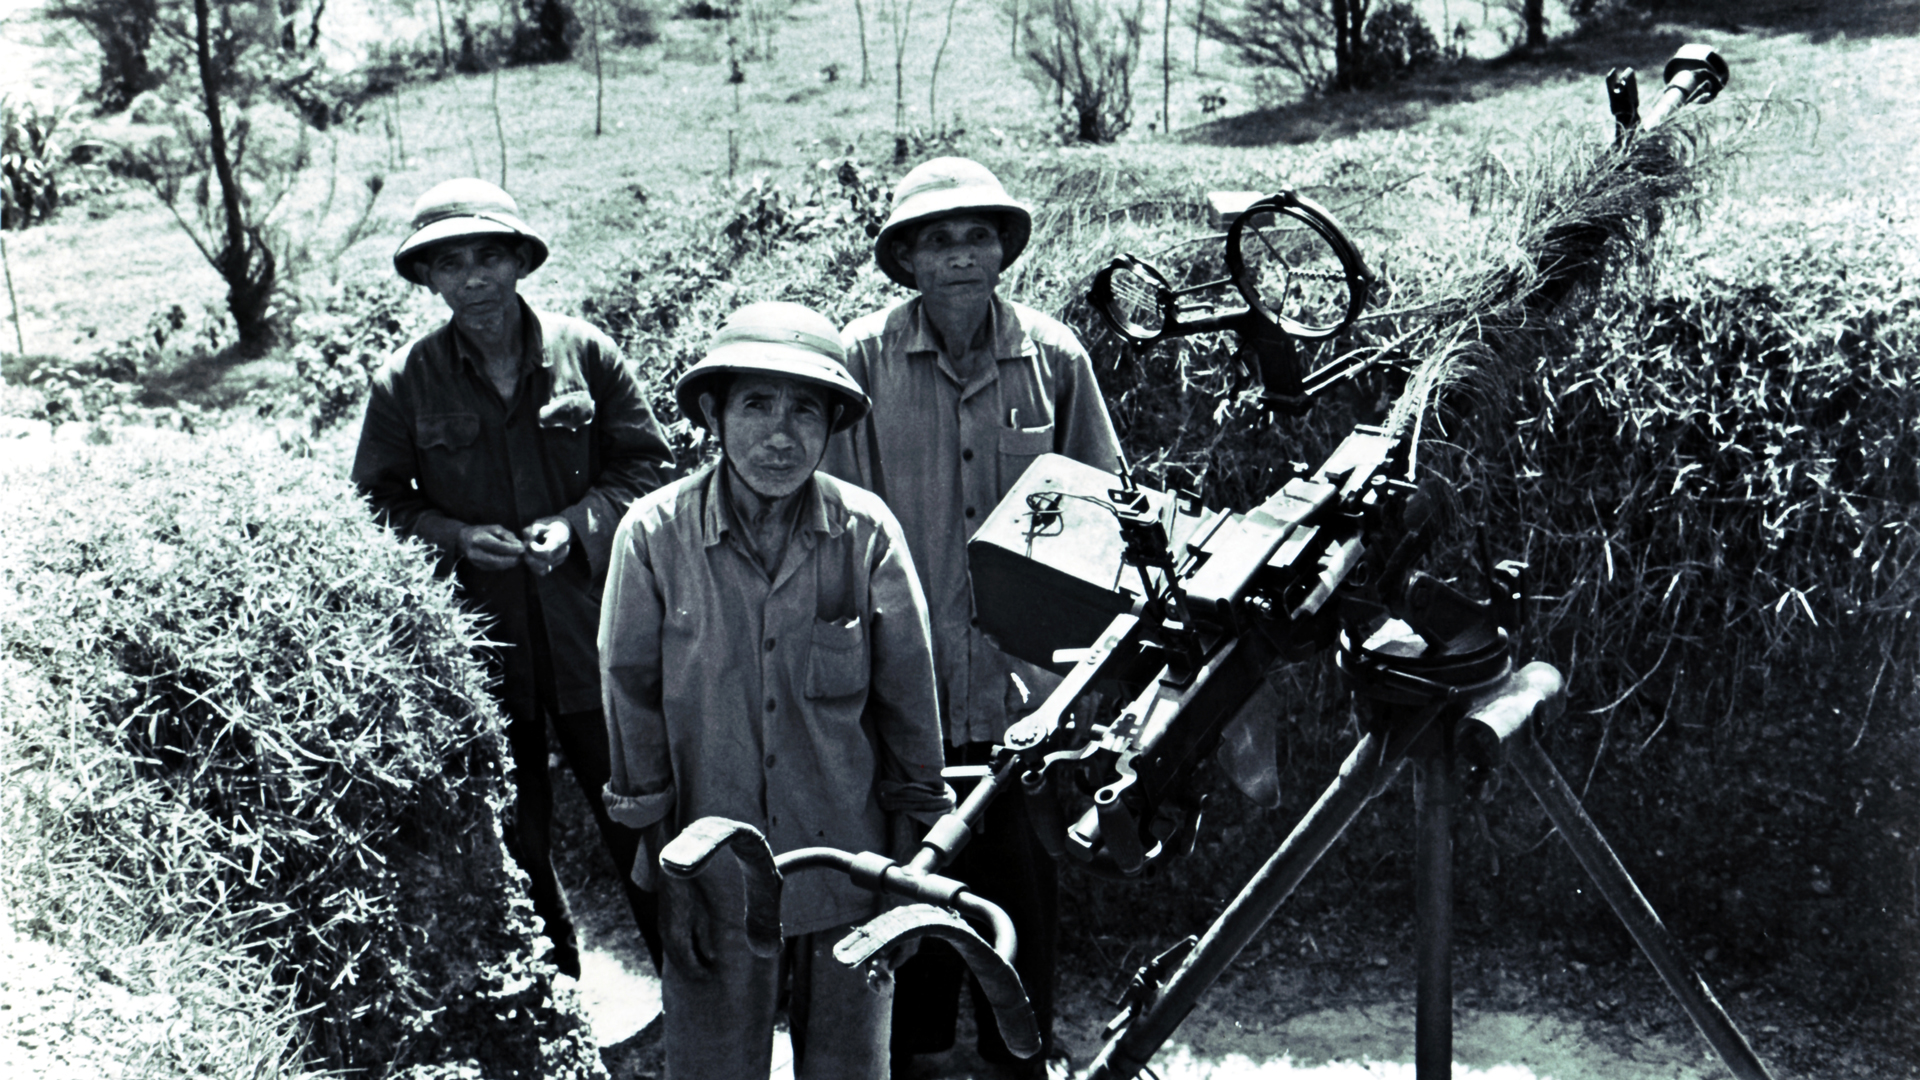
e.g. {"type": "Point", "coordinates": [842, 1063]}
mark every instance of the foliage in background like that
{"type": "Point", "coordinates": [1326, 46]}
{"type": "Point", "coordinates": [260, 725]}
{"type": "Point", "coordinates": [340, 344]}
{"type": "Point", "coordinates": [810, 242]}
{"type": "Point", "coordinates": [1087, 50]}
{"type": "Point", "coordinates": [124, 31]}
{"type": "Point", "coordinates": [37, 151]}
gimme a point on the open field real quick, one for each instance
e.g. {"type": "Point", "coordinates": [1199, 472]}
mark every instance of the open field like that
{"type": "Point", "coordinates": [668, 115]}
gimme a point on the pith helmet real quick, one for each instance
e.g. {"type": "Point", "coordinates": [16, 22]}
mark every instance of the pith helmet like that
{"type": "Point", "coordinates": [941, 188]}
{"type": "Point", "coordinates": [780, 339]}
{"type": "Point", "coordinates": [457, 210]}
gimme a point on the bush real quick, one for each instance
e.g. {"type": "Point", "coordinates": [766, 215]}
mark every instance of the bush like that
{"type": "Point", "coordinates": [1397, 42]}
{"type": "Point", "coordinates": [1087, 50]}
{"type": "Point", "coordinates": [266, 724]}
{"type": "Point", "coordinates": [632, 23]}
{"type": "Point", "coordinates": [1326, 45]}
{"type": "Point", "coordinates": [547, 35]}
{"type": "Point", "coordinates": [338, 347]}
{"type": "Point", "coordinates": [35, 155]}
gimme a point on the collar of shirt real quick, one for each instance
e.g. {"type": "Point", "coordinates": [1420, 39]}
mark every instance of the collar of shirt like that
{"type": "Point", "coordinates": [716, 517]}
{"type": "Point", "coordinates": [532, 343]}
{"type": "Point", "coordinates": [1006, 337]}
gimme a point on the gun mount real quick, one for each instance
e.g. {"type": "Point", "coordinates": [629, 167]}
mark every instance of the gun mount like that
{"type": "Point", "coordinates": [1175, 613]}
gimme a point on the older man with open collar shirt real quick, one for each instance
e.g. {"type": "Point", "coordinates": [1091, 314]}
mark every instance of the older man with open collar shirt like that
{"type": "Point", "coordinates": [768, 660]}
{"type": "Point", "coordinates": [968, 388]}
{"type": "Point", "coordinates": [512, 441]}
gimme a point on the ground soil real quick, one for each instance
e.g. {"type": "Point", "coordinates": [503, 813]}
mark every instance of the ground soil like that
{"type": "Point", "coordinates": [1523, 1010]}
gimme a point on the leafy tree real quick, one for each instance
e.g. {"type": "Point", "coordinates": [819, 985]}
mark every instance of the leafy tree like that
{"type": "Point", "coordinates": [124, 31]}
{"type": "Point", "coordinates": [1087, 50]}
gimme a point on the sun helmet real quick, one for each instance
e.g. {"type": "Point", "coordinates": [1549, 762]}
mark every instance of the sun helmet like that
{"type": "Point", "coordinates": [460, 209]}
{"type": "Point", "coordinates": [780, 339]}
{"type": "Point", "coordinates": [942, 187]}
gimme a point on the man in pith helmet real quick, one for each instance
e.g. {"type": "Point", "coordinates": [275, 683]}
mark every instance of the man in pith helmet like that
{"type": "Point", "coordinates": [512, 441]}
{"type": "Point", "coordinates": [766, 658]}
{"type": "Point", "coordinates": [968, 388]}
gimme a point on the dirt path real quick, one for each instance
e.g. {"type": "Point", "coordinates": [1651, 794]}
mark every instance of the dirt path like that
{"type": "Point", "coordinates": [1341, 1043]}
{"type": "Point", "coordinates": [1251, 1028]}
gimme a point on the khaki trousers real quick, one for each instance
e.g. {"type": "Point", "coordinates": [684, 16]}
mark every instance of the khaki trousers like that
{"type": "Point", "coordinates": [720, 990]}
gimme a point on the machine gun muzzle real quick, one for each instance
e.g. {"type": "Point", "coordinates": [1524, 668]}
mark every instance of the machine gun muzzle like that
{"type": "Point", "coordinates": [1695, 74]}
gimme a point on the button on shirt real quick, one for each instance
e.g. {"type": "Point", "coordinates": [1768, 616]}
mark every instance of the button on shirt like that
{"type": "Point", "coordinates": [943, 451]}
{"type": "Point", "coordinates": [800, 702]}
{"type": "Point", "coordinates": [439, 450]}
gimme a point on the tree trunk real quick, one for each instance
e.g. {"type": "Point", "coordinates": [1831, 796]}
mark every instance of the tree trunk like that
{"type": "Point", "coordinates": [866, 67]}
{"type": "Point", "coordinates": [244, 260]}
{"type": "Point", "coordinates": [440, 12]}
{"type": "Point", "coordinates": [1536, 19]}
{"type": "Point", "coordinates": [1166, 67]}
{"type": "Point", "coordinates": [1349, 16]}
{"type": "Point", "coordinates": [933, 79]}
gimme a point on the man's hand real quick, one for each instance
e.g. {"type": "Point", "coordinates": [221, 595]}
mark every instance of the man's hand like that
{"type": "Point", "coordinates": [548, 541]}
{"type": "Point", "coordinates": [490, 547]}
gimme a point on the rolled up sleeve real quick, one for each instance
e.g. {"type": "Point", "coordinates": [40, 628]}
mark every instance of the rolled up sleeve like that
{"type": "Point", "coordinates": [640, 790]}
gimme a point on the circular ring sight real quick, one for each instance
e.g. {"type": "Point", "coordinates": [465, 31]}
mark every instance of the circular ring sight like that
{"type": "Point", "coordinates": [1135, 298]}
{"type": "Point", "coordinates": [1295, 267]}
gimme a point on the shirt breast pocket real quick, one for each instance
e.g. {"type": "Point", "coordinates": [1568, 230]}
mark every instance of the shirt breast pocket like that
{"type": "Point", "coordinates": [452, 432]}
{"type": "Point", "coordinates": [837, 663]}
{"type": "Point", "coordinates": [1018, 448]}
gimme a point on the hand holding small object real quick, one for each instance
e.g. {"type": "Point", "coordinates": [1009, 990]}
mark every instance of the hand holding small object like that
{"type": "Point", "coordinates": [490, 547]}
{"type": "Point", "coordinates": [547, 543]}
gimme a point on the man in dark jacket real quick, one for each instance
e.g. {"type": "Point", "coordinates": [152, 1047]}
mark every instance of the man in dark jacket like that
{"type": "Point", "coordinates": [512, 441]}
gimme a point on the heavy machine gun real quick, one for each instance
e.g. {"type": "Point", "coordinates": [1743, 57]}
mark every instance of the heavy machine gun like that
{"type": "Point", "coordinates": [1176, 613]}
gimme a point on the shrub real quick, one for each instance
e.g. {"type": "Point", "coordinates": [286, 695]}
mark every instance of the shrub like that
{"type": "Point", "coordinates": [286, 740]}
{"type": "Point", "coordinates": [1087, 50]}
{"type": "Point", "coordinates": [338, 346]}
{"type": "Point", "coordinates": [1396, 42]}
{"type": "Point", "coordinates": [1327, 45]}
{"type": "Point", "coordinates": [35, 154]}
{"type": "Point", "coordinates": [547, 35]}
{"type": "Point", "coordinates": [632, 23]}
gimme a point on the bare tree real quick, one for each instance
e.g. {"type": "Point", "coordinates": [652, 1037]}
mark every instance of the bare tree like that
{"type": "Point", "coordinates": [1090, 62]}
{"type": "Point", "coordinates": [232, 232]}
{"type": "Point", "coordinates": [866, 68]}
{"type": "Point", "coordinates": [1166, 67]}
{"type": "Point", "coordinates": [1318, 42]}
{"type": "Point", "coordinates": [934, 78]}
{"type": "Point", "coordinates": [899, 18]}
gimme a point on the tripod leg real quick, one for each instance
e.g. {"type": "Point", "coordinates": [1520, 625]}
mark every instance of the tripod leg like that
{"type": "Point", "coordinates": [1367, 770]}
{"type": "Point", "coordinates": [1611, 878]}
{"type": "Point", "coordinates": [1433, 793]}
